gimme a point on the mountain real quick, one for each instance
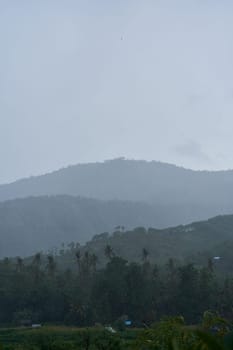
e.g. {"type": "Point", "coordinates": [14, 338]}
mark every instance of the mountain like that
{"type": "Point", "coordinates": [177, 194]}
{"type": "Point", "coordinates": [40, 223]}
{"type": "Point", "coordinates": [43, 223]}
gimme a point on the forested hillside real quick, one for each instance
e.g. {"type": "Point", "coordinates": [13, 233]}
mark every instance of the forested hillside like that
{"type": "Point", "coordinates": [41, 223]}
{"type": "Point", "coordinates": [102, 280]}
{"type": "Point", "coordinates": [196, 242]}
{"type": "Point", "coordinates": [180, 195]}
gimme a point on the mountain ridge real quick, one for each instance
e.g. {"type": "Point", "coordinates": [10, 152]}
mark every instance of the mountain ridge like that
{"type": "Point", "coordinates": [193, 195]}
{"type": "Point", "coordinates": [75, 165]}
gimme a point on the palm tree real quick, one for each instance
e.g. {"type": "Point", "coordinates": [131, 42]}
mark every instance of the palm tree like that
{"type": "Point", "coordinates": [19, 264]}
{"type": "Point", "coordinates": [94, 260]}
{"type": "Point", "coordinates": [86, 262]}
{"type": "Point", "coordinates": [36, 263]}
{"type": "Point", "coordinates": [108, 251]}
{"type": "Point", "coordinates": [51, 265]}
{"type": "Point", "coordinates": [37, 260]}
{"type": "Point", "coordinates": [145, 255]}
{"type": "Point", "coordinates": [78, 259]}
{"type": "Point", "coordinates": [171, 266]}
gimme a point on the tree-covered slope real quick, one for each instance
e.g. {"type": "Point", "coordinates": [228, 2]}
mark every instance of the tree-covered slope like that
{"type": "Point", "coordinates": [194, 242]}
{"type": "Point", "coordinates": [36, 223]}
{"type": "Point", "coordinates": [180, 195]}
{"type": "Point", "coordinates": [41, 223]}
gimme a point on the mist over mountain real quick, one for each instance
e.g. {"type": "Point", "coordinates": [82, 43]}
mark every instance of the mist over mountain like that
{"type": "Point", "coordinates": [195, 242]}
{"type": "Point", "coordinates": [42, 223]}
{"type": "Point", "coordinates": [176, 194]}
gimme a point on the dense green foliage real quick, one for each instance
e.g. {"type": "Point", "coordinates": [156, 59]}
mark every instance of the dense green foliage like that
{"type": "Point", "coordinates": [62, 338]}
{"type": "Point", "coordinates": [212, 333]}
{"type": "Point", "coordinates": [40, 291]}
{"type": "Point", "coordinates": [194, 243]}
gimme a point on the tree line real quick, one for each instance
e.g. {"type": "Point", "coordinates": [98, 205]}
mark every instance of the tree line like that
{"type": "Point", "coordinates": [84, 295]}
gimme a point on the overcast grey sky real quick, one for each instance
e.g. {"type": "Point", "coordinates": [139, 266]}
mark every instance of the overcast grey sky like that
{"type": "Point", "coordinates": [92, 80]}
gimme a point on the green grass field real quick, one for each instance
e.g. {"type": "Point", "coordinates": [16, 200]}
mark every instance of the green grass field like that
{"type": "Point", "coordinates": [61, 338]}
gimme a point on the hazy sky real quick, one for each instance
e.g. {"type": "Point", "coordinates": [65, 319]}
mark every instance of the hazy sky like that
{"type": "Point", "coordinates": [92, 80]}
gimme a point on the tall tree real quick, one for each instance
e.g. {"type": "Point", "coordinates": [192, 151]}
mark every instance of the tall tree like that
{"type": "Point", "coordinates": [145, 255]}
{"type": "Point", "coordinates": [51, 265]}
{"type": "Point", "coordinates": [108, 251]}
{"type": "Point", "coordinates": [19, 264]}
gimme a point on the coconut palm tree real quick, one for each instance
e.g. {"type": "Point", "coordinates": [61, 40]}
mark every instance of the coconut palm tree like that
{"type": "Point", "coordinates": [145, 255]}
{"type": "Point", "coordinates": [19, 263]}
{"type": "Point", "coordinates": [94, 261]}
{"type": "Point", "coordinates": [78, 259]}
{"type": "Point", "coordinates": [108, 251]}
{"type": "Point", "coordinates": [36, 264]}
{"type": "Point", "coordinates": [51, 265]}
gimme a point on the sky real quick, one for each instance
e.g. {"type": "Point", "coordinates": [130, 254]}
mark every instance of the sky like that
{"type": "Point", "coordinates": [84, 81]}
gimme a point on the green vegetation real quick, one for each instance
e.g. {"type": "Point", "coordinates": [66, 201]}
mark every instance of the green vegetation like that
{"type": "Point", "coordinates": [61, 338]}
{"type": "Point", "coordinates": [76, 306]}
{"type": "Point", "coordinates": [195, 243]}
{"type": "Point", "coordinates": [40, 291]}
{"type": "Point", "coordinates": [212, 333]}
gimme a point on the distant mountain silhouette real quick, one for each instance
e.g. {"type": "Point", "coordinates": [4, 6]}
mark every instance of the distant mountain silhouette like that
{"type": "Point", "coordinates": [178, 195]}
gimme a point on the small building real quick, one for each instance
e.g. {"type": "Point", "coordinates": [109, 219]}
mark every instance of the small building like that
{"type": "Point", "coordinates": [36, 325]}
